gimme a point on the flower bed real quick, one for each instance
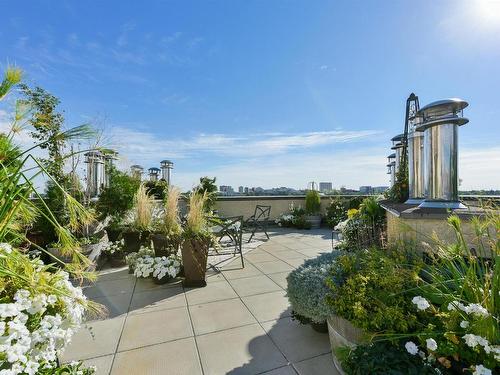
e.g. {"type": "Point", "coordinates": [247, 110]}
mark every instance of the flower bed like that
{"type": "Point", "coordinates": [144, 264]}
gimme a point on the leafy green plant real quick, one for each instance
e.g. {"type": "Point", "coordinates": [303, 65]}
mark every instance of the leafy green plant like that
{"type": "Point", "coordinates": [118, 198]}
{"type": "Point", "coordinates": [336, 211]}
{"type": "Point", "coordinates": [399, 192]}
{"type": "Point", "coordinates": [295, 219]}
{"type": "Point", "coordinates": [313, 202]}
{"type": "Point", "coordinates": [208, 188]}
{"type": "Point", "coordinates": [157, 189]}
{"type": "Point", "coordinates": [307, 289]}
{"type": "Point", "coordinates": [382, 358]}
{"type": "Point", "coordinates": [367, 288]}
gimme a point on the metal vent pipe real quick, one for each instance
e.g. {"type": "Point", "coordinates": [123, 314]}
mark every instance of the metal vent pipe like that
{"type": "Point", "coordinates": [153, 174]}
{"type": "Point", "coordinates": [440, 122]}
{"type": "Point", "coordinates": [391, 168]}
{"type": "Point", "coordinates": [166, 170]}
{"type": "Point", "coordinates": [416, 162]}
{"type": "Point", "coordinates": [397, 146]}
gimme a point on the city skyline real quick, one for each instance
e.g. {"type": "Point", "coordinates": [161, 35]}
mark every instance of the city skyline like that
{"type": "Point", "coordinates": [278, 90]}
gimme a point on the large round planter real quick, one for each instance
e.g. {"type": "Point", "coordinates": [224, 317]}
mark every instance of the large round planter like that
{"type": "Point", "coordinates": [116, 261]}
{"type": "Point", "coordinates": [314, 220]}
{"type": "Point", "coordinates": [162, 246]}
{"type": "Point", "coordinates": [194, 259]}
{"type": "Point", "coordinates": [131, 241]}
{"type": "Point", "coordinates": [113, 234]}
{"type": "Point", "coordinates": [343, 333]}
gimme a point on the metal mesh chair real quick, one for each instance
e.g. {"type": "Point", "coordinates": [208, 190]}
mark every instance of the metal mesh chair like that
{"type": "Point", "coordinates": [228, 231]}
{"type": "Point", "coordinates": [259, 220]}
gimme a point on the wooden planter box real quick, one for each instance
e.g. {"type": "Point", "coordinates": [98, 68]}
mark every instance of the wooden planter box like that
{"type": "Point", "coordinates": [343, 333]}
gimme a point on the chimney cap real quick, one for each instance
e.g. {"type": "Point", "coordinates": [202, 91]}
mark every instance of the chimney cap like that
{"type": "Point", "coordinates": [154, 169]}
{"type": "Point", "coordinates": [398, 137]}
{"type": "Point", "coordinates": [392, 156]}
{"type": "Point", "coordinates": [443, 107]}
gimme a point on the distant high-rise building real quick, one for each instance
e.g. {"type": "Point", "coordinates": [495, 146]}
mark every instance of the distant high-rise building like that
{"type": "Point", "coordinates": [365, 189]}
{"type": "Point", "coordinates": [226, 189]}
{"type": "Point", "coordinates": [246, 189]}
{"type": "Point", "coordinates": [325, 186]}
{"type": "Point", "coordinates": [379, 189]}
{"type": "Point", "coordinates": [240, 189]}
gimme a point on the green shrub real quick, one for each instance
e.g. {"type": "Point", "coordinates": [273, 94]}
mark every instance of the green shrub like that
{"type": "Point", "coordinates": [313, 202]}
{"type": "Point", "coordinates": [367, 288]}
{"type": "Point", "coordinates": [295, 219]}
{"type": "Point", "coordinates": [382, 358]}
{"type": "Point", "coordinates": [307, 289]}
{"type": "Point", "coordinates": [336, 212]}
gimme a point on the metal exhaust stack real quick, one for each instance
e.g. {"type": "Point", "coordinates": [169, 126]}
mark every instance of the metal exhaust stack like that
{"type": "Point", "coordinates": [440, 122]}
{"type": "Point", "coordinates": [166, 170]}
{"type": "Point", "coordinates": [136, 171]}
{"type": "Point", "coordinates": [397, 146]}
{"type": "Point", "coordinates": [95, 173]}
{"type": "Point", "coordinates": [391, 168]}
{"type": "Point", "coordinates": [153, 174]}
{"type": "Point", "coordinates": [415, 162]}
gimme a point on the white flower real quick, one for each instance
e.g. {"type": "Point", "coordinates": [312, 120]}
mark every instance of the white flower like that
{"type": "Point", "coordinates": [476, 309]}
{"type": "Point", "coordinates": [411, 348]}
{"type": "Point", "coordinates": [481, 370]}
{"type": "Point", "coordinates": [464, 324]}
{"type": "Point", "coordinates": [5, 247]}
{"type": "Point", "coordinates": [421, 302]}
{"type": "Point", "coordinates": [431, 344]}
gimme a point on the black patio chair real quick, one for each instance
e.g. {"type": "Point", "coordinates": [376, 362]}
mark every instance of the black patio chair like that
{"type": "Point", "coordinates": [259, 220]}
{"type": "Point", "coordinates": [232, 229]}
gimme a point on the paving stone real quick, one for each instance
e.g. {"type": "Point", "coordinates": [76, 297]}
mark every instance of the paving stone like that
{"type": "Point", "coordinates": [155, 327]}
{"type": "Point", "coordinates": [94, 339]}
{"type": "Point", "coordinates": [254, 285]}
{"type": "Point", "coordinates": [274, 267]}
{"type": "Point", "coordinates": [288, 254]}
{"type": "Point", "coordinates": [297, 341]}
{"type": "Point", "coordinates": [116, 304]}
{"type": "Point", "coordinates": [231, 272]}
{"type": "Point", "coordinates": [256, 256]}
{"type": "Point", "coordinates": [216, 316]}
{"type": "Point", "coordinates": [296, 262]}
{"type": "Point", "coordinates": [268, 306]}
{"type": "Point", "coordinates": [320, 365]}
{"type": "Point", "coordinates": [148, 284]}
{"type": "Point", "coordinates": [280, 278]}
{"type": "Point", "coordinates": [243, 350]}
{"type": "Point", "coordinates": [285, 370]}
{"type": "Point", "coordinates": [176, 357]}
{"type": "Point", "coordinates": [157, 299]}
{"type": "Point", "coordinates": [216, 291]}
{"type": "Point", "coordinates": [110, 287]}
{"type": "Point", "coordinates": [102, 364]}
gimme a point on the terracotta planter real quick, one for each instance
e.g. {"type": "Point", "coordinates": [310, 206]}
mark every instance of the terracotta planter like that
{"type": "Point", "coordinates": [131, 241]}
{"type": "Point", "coordinates": [194, 259]}
{"type": "Point", "coordinates": [113, 234]}
{"type": "Point", "coordinates": [162, 246]}
{"type": "Point", "coordinates": [343, 333]}
{"type": "Point", "coordinates": [314, 220]}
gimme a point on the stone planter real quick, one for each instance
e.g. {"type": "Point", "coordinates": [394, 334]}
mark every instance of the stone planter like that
{"type": "Point", "coordinates": [343, 333]}
{"type": "Point", "coordinates": [314, 220]}
{"type": "Point", "coordinates": [194, 259]}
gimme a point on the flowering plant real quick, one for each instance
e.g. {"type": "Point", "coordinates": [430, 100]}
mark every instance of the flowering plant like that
{"type": "Point", "coordinates": [39, 313]}
{"type": "Point", "coordinates": [295, 219]}
{"type": "Point", "coordinates": [132, 258]}
{"type": "Point", "coordinates": [157, 267]}
{"type": "Point", "coordinates": [114, 249]}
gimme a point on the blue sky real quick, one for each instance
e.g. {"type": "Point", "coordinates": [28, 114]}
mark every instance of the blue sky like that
{"type": "Point", "coordinates": [264, 93]}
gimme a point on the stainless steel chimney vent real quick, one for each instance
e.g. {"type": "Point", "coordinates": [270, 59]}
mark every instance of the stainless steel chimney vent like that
{"type": "Point", "coordinates": [153, 173]}
{"type": "Point", "coordinates": [136, 171]}
{"type": "Point", "coordinates": [391, 168]}
{"type": "Point", "coordinates": [416, 166]}
{"type": "Point", "coordinates": [441, 120]}
{"type": "Point", "coordinates": [166, 170]}
{"type": "Point", "coordinates": [397, 146]}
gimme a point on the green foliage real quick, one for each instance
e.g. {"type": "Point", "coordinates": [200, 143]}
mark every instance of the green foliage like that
{"type": "Point", "coordinates": [118, 197]}
{"type": "Point", "coordinates": [399, 192]}
{"type": "Point", "coordinates": [295, 219]}
{"type": "Point", "coordinates": [367, 288]}
{"type": "Point", "coordinates": [47, 123]}
{"type": "Point", "coordinates": [12, 77]}
{"type": "Point", "coordinates": [208, 187]}
{"type": "Point", "coordinates": [382, 358]}
{"type": "Point", "coordinates": [336, 211]}
{"type": "Point", "coordinates": [307, 290]}
{"type": "Point", "coordinates": [313, 202]}
{"type": "Point", "coordinates": [157, 189]}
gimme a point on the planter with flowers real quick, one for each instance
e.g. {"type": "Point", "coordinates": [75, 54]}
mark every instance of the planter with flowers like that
{"type": "Point", "coordinates": [132, 258]}
{"type": "Point", "coordinates": [161, 269]}
{"type": "Point", "coordinates": [137, 232]}
{"type": "Point", "coordinates": [197, 240]}
{"type": "Point", "coordinates": [313, 209]}
{"type": "Point", "coordinates": [114, 254]}
{"type": "Point", "coordinates": [166, 236]}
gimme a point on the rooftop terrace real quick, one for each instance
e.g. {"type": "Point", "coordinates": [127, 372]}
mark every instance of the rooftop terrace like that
{"type": "Point", "coordinates": [238, 324]}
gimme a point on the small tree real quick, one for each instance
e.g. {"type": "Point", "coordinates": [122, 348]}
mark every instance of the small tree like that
{"type": "Point", "coordinates": [208, 188]}
{"type": "Point", "coordinates": [313, 202]}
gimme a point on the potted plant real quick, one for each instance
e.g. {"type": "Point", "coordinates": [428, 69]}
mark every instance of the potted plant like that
{"type": "Point", "coordinates": [313, 209]}
{"type": "Point", "coordinates": [114, 254]}
{"type": "Point", "coordinates": [166, 237]}
{"type": "Point", "coordinates": [196, 241]}
{"type": "Point", "coordinates": [166, 268]}
{"type": "Point", "coordinates": [114, 229]}
{"type": "Point", "coordinates": [133, 258]}
{"type": "Point", "coordinates": [307, 291]}
{"type": "Point", "coordinates": [137, 233]}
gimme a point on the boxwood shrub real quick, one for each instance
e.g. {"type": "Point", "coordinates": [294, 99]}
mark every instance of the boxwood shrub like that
{"type": "Point", "coordinates": [306, 289]}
